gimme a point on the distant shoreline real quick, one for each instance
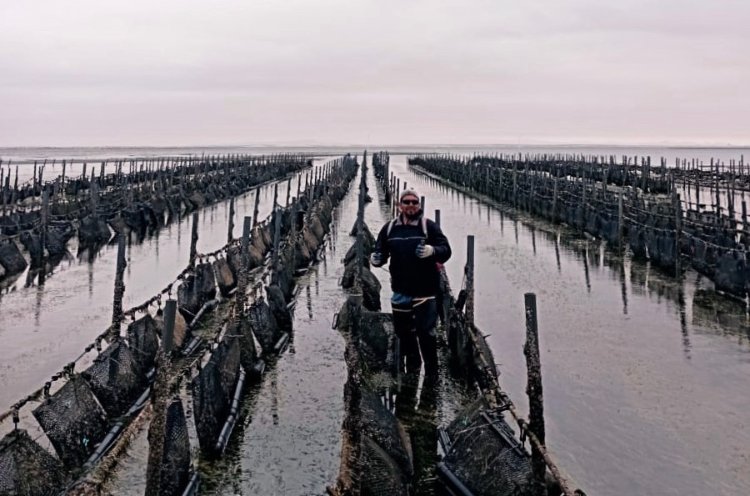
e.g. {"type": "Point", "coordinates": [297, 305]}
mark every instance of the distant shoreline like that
{"type": "Point", "coordinates": [96, 154]}
{"type": "Point", "coordinates": [382, 146]}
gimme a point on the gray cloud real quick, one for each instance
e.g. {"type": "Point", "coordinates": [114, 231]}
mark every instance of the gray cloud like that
{"type": "Point", "coordinates": [84, 72]}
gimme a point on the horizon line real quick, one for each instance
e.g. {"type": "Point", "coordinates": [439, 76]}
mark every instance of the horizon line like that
{"type": "Point", "coordinates": [678, 145]}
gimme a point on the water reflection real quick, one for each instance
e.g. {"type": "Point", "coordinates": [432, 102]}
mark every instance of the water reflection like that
{"type": "Point", "coordinates": [64, 313]}
{"type": "Point", "coordinates": [625, 353]}
{"type": "Point", "coordinates": [308, 303]}
{"type": "Point", "coordinates": [420, 420]}
{"type": "Point", "coordinates": [585, 258]}
{"type": "Point", "coordinates": [623, 287]}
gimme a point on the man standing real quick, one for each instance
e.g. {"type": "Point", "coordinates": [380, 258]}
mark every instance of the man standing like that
{"type": "Point", "coordinates": [414, 245]}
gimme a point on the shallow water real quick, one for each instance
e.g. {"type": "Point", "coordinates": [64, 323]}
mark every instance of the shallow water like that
{"type": "Point", "coordinates": [645, 379]}
{"type": "Point", "coordinates": [643, 394]}
{"type": "Point", "coordinates": [44, 327]}
{"type": "Point", "coordinates": [291, 441]}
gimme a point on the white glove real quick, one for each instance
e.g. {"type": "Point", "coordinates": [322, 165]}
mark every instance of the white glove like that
{"type": "Point", "coordinates": [424, 251]}
{"type": "Point", "coordinates": [376, 259]}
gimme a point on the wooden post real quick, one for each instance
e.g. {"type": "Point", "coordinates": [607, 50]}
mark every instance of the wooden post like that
{"type": "Point", "coordinates": [43, 234]}
{"type": "Point", "coordinates": [718, 195]}
{"type": "Point", "coordinates": [14, 194]}
{"type": "Point", "coordinates": [288, 191]}
{"type": "Point", "coordinates": [167, 337]}
{"type": "Point", "coordinates": [2, 187]}
{"type": "Point", "coordinates": [62, 180]}
{"type": "Point", "coordinates": [360, 253]}
{"type": "Point", "coordinates": [535, 393]}
{"type": "Point", "coordinates": [276, 241]}
{"type": "Point", "coordinates": [677, 205]}
{"type": "Point", "coordinates": [194, 240]}
{"type": "Point", "coordinates": [247, 226]}
{"type": "Point", "coordinates": [470, 280]}
{"type": "Point", "coordinates": [554, 200]}
{"type": "Point", "coordinates": [94, 192]}
{"type": "Point", "coordinates": [255, 208]}
{"type": "Point", "coordinates": [437, 217]}
{"type": "Point", "coordinates": [583, 204]}
{"type": "Point", "coordinates": [421, 201]}
{"type": "Point", "coordinates": [119, 284]}
{"type": "Point", "coordinates": [620, 219]}
{"type": "Point", "coordinates": [230, 228]}
{"type": "Point", "coordinates": [697, 194]}
{"type": "Point", "coordinates": [157, 430]}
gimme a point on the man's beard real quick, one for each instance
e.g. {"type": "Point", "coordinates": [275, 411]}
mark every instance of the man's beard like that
{"type": "Point", "coordinates": [414, 216]}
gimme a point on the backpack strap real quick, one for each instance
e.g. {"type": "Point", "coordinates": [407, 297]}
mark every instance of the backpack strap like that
{"type": "Point", "coordinates": [390, 226]}
{"type": "Point", "coordinates": [423, 223]}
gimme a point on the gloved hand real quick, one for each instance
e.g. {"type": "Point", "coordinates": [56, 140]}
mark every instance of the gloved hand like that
{"type": "Point", "coordinates": [376, 259]}
{"type": "Point", "coordinates": [424, 251]}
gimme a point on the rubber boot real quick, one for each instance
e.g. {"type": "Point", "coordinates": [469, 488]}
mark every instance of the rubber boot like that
{"type": "Point", "coordinates": [428, 346]}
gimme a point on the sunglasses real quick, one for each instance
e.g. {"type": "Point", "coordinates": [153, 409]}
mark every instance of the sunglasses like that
{"type": "Point", "coordinates": [410, 202]}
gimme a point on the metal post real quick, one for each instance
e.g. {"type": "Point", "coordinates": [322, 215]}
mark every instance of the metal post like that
{"type": "Point", "coordinates": [535, 393]}
{"type": "Point", "coordinates": [396, 197]}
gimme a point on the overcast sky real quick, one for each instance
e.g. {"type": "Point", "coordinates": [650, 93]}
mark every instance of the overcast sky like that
{"type": "Point", "coordinates": [182, 72]}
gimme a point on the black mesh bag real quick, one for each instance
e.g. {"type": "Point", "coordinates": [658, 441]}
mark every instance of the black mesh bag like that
{"type": "Point", "coordinates": [73, 420]}
{"type": "Point", "coordinates": [116, 378]}
{"type": "Point", "coordinates": [144, 342]}
{"type": "Point", "coordinates": [26, 469]}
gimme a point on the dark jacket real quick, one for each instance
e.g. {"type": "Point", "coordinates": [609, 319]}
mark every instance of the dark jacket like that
{"type": "Point", "coordinates": [411, 275]}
